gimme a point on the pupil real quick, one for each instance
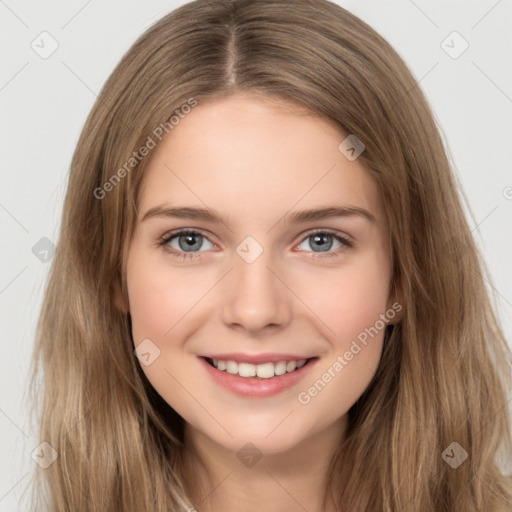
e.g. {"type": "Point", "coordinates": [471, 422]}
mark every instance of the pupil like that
{"type": "Point", "coordinates": [321, 242]}
{"type": "Point", "coordinates": [191, 242]}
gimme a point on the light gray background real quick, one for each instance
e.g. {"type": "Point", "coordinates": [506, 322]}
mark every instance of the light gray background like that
{"type": "Point", "coordinates": [44, 104]}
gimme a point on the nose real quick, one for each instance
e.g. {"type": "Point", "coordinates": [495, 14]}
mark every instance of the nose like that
{"type": "Point", "coordinates": [255, 297]}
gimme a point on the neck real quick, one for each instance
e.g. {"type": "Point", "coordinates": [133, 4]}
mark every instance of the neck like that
{"type": "Point", "coordinates": [295, 480]}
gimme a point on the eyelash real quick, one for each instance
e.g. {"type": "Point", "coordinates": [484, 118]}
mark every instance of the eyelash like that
{"type": "Point", "coordinates": [163, 241]}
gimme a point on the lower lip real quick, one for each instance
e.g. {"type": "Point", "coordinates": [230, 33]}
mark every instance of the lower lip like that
{"type": "Point", "coordinates": [256, 386]}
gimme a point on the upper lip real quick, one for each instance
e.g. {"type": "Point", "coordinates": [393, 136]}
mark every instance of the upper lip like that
{"type": "Point", "coordinates": [257, 358]}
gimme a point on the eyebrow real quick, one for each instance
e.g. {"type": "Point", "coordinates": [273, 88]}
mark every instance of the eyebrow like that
{"type": "Point", "coordinates": [302, 216]}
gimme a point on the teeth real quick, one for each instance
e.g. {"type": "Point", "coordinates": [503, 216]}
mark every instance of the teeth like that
{"type": "Point", "coordinates": [263, 371]}
{"type": "Point", "coordinates": [291, 365]}
{"type": "Point", "coordinates": [232, 367]}
{"type": "Point", "coordinates": [246, 370]}
{"type": "Point", "coordinates": [280, 368]}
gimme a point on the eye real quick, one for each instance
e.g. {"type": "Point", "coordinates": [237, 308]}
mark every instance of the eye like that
{"type": "Point", "coordinates": [323, 242]}
{"type": "Point", "coordinates": [185, 241]}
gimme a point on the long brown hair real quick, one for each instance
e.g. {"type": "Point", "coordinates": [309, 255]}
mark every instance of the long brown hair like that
{"type": "Point", "coordinates": [444, 376]}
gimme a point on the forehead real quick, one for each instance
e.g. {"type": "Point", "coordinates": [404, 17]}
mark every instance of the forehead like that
{"type": "Point", "coordinates": [255, 158]}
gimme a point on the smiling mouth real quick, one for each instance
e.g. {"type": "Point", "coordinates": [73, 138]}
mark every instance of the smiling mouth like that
{"type": "Point", "coordinates": [263, 371]}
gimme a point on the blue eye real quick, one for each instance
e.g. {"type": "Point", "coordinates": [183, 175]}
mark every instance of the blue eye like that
{"type": "Point", "coordinates": [183, 242]}
{"type": "Point", "coordinates": [188, 244]}
{"type": "Point", "coordinates": [323, 241]}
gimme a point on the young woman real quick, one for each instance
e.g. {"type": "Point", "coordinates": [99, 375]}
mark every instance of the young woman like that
{"type": "Point", "coordinates": [265, 294]}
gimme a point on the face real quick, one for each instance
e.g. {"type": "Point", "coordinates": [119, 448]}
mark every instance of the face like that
{"type": "Point", "coordinates": [258, 274]}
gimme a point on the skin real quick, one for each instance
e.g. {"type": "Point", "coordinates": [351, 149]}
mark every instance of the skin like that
{"type": "Point", "coordinates": [254, 160]}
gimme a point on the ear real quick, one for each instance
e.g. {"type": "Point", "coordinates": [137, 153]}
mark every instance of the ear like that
{"type": "Point", "coordinates": [120, 301]}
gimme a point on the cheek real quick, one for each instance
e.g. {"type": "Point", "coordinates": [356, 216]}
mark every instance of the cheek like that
{"type": "Point", "coordinates": [150, 307]}
{"type": "Point", "coordinates": [349, 300]}
{"type": "Point", "coordinates": [351, 306]}
{"type": "Point", "coordinates": [159, 303]}
{"type": "Point", "coordinates": [159, 298]}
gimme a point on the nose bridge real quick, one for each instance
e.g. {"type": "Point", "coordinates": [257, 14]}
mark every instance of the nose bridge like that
{"type": "Point", "coordinates": [255, 297]}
